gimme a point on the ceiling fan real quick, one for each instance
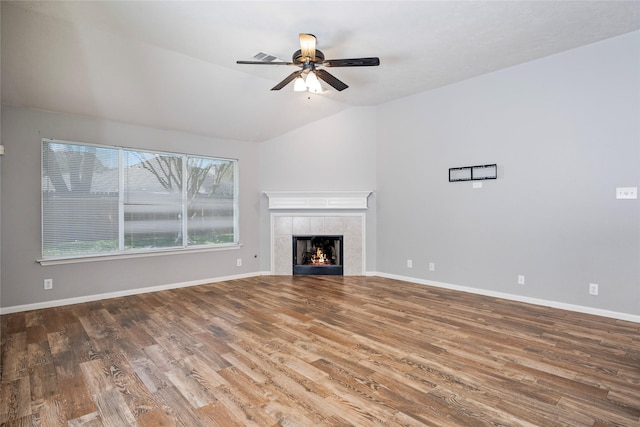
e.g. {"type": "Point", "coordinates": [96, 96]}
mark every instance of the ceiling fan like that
{"type": "Point", "coordinates": [309, 59]}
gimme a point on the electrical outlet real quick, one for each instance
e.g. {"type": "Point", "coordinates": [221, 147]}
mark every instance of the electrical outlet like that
{"type": "Point", "coordinates": [593, 289]}
{"type": "Point", "coordinates": [239, 262]}
{"type": "Point", "coordinates": [432, 266]}
{"type": "Point", "coordinates": [409, 263]}
{"type": "Point", "coordinates": [520, 279]}
{"type": "Point", "coordinates": [626, 192]}
{"type": "Point", "coordinates": [48, 284]}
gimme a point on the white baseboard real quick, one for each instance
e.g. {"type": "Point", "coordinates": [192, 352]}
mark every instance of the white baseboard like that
{"type": "Point", "coordinates": [97, 297]}
{"type": "Point", "coordinates": [536, 301]}
{"type": "Point", "coordinates": [512, 297]}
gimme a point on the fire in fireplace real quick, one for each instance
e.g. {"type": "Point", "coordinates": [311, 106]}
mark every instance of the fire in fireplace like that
{"type": "Point", "coordinates": [317, 255]}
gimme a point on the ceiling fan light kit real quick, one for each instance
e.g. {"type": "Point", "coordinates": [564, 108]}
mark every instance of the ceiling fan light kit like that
{"type": "Point", "coordinates": [299, 85]}
{"type": "Point", "coordinates": [308, 58]}
{"type": "Point", "coordinates": [313, 84]}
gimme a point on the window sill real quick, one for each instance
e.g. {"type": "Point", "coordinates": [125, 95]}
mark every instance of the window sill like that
{"type": "Point", "coordinates": [92, 258]}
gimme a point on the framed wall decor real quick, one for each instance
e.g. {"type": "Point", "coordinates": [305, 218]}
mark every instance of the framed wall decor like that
{"type": "Point", "coordinates": [460, 174]}
{"type": "Point", "coordinates": [473, 173]}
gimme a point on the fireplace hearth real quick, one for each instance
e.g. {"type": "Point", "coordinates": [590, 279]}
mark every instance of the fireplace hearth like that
{"type": "Point", "coordinates": [318, 255]}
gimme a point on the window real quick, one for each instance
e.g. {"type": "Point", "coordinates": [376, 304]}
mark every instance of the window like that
{"type": "Point", "coordinates": [108, 200]}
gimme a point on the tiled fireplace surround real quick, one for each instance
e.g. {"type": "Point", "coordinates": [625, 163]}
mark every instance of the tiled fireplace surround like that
{"type": "Point", "coordinates": [288, 218]}
{"type": "Point", "coordinates": [285, 225]}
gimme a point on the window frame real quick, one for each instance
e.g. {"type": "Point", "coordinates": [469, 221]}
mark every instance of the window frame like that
{"type": "Point", "coordinates": [123, 252]}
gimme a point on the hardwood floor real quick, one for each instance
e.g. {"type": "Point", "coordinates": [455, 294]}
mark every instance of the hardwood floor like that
{"type": "Point", "coordinates": [322, 350]}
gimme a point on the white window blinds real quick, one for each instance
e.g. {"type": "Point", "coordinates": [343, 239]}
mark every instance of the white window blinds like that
{"type": "Point", "coordinates": [103, 200]}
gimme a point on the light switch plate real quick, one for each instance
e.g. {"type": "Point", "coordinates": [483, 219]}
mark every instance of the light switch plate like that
{"type": "Point", "coordinates": [626, 192]}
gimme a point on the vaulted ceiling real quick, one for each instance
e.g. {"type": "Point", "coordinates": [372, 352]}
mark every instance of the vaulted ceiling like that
{"type": "Point", "coordinates": [172, 65]}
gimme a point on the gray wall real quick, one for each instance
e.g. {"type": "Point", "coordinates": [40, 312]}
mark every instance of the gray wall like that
{"type": "Point", "coordinates": [22, 276]}
{"type": "Point", "coordinates": [565, 132]}
{"type": "Point", "coordinates": [0, 181]}
{"type": "Point", "coordinates": [334, 154]}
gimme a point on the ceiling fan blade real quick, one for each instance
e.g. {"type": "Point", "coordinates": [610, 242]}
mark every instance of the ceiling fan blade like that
{"type": "Point", "coordinates": [330, 79]}
{"type": "Point", "coordinates": [354, 62]}
{"type": "Point", "coordinates": [265, 63]}
{"type": "Point", "coordinates": [291, 77]}
{"type": "Point", "coordinates": [308, 46]}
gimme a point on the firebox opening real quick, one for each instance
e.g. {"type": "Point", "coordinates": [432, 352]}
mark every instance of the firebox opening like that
{"type": "Point", "coordinates": [317, 255]}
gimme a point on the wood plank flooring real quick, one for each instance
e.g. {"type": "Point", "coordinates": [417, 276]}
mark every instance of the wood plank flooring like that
{"type": "Point", "coordinates": [321, 350]}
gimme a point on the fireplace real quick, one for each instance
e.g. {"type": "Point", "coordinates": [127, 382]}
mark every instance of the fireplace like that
{"type": "Point", "coordinates": [349, 225]}
{"type": "Point", "coordinates": [318, 255]}
{"type": "Point", "coordinates": [318, 213]}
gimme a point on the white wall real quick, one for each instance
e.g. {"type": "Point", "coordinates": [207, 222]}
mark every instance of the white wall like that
{"type": "Point", "coordinates": [22, 276]}
{"type": "Point", "coordinates": [337, 153]}
{"type": "Point", "coordinates": [565, 132]}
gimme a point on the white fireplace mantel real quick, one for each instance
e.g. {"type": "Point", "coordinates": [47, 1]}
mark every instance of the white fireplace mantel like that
{"type": "Point", "coordinates": [318, 199]}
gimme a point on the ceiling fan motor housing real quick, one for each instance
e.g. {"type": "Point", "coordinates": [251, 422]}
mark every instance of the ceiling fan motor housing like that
{"type": "Point", "coordinates": [299, 59]}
